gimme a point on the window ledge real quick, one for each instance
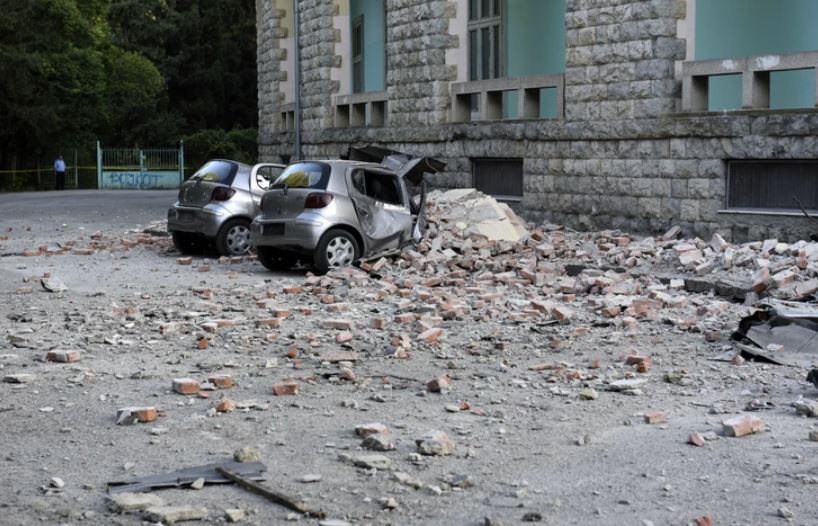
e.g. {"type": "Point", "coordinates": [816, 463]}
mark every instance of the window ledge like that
{"type": "Point", "coordinates": [768, 212]}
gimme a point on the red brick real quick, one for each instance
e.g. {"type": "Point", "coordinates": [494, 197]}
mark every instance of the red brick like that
{"type": "Point", "coordinates": [344, 337]}
{"type": "Point", "coordinates": [365, 430]}
{"type": "Point", "coordinates": [611, 312]}
{"type": "Point", "coordinates": [742, 425]}
{"type": "Point", "coordinates": [272, 323]}
{"type": "Point", "coordinates": [655, 417]}
{"type": "Point", "coordinates": [281, 313]}
{"type": "Point", "coordinates": [222, 381]}
{"type": "Point", "coordinates": [225, 405]}
{"type": "Point", "coordinates": [641, 363]}
{"type": "Point", "coordinates": [202, 343]}
{"type": "Point", "coordinates": [83, 251]}
{"type": "Point", "coordinates": [289, 388]}
{"type": "Point", "coordinates": [339, 324]}
{"type": "Point", "coordinates": [339, 356]}
{"type": "Point", "coordinates": [761, 280]}
{"type": "Point", "coordinates": [31, 253]}
{"type": "Point", "coordinates": [378, 323]}
{"type": "Point", "coordinates": [293, 289]}
{"type": "Point", "coordinates": [431, 335]}
{"type": "Point", "coordinates": [142, 414]}
{"type": "Point", "coordinates": [696, 439]}
{"type": "Point", "coordinates": [704, 520]}
{"type": "Point", "coordinates": [63, 356]}
{"type": "Point", "coordinates": [347, 374]}
{"type": "Point", "coordinates": [405, 318]}
{"type": "Point", "coordinates": [439, 384]}
{"type": "Point", "coordinates": [185, 386]}
{"type": "Point", "coordinates": [184, 261]}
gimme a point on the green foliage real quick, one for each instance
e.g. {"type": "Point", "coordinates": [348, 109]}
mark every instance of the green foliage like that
{"type": "Point", "coordinates": [238, 144]}
{"type": "Point", "coordinates": [127, 72]}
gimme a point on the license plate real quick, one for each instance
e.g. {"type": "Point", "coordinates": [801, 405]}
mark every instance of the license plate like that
{"type": "Point", "coordinates": [184, 215]}
{"type": "Point", "coordinates": [273, 229]}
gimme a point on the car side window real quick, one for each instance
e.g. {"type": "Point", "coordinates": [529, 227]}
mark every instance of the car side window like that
{"type": "Point", "coordinates": [359, 182]}
{"type": "Point", "coordinates": [382, 187]}
{"type": "Point", "coordinates": [266, 175]}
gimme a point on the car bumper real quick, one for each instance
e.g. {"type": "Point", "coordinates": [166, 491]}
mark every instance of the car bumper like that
{"type": "Point", "coordinates": [300, 234]}
{"type": "Point", "coordinates": [206, 221]}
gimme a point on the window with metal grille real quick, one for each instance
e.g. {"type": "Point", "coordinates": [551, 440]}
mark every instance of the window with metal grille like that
{"type": "Point", "coordinates": [500, 178]}
{"type": "Point", "coordinates": [358, 55]}
{"type": "Point", "coordinates": [772, 185]}
{"type": "Point", "coordinates": [486, 58]}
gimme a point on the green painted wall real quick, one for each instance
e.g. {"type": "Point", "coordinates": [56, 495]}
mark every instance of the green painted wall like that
{"type": "Point", "coordinates": [737, 28]}
{"type": "Point", "coordinates": [374, 15]}
{"type": "Point", "coordinates": [535, 45]}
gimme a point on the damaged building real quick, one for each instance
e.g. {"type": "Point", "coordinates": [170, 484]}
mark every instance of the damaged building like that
{"type": "Point", "coordinates": [629, 114]}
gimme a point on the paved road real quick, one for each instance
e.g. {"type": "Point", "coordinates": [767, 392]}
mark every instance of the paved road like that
{"type": "Point", "coordinates": [89, 208]}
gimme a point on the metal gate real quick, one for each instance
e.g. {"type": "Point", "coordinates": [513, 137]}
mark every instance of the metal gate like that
{"type": "Point", "coordinates": [140, 169]}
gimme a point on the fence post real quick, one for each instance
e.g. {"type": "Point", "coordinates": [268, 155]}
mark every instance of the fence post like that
{"type": "Point", "coordinates": [99, 167]}
{"type": "Point", "coordinates": [181, 162]}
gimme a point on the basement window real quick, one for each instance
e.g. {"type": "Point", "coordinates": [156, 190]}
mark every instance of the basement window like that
{"type": "Point", "coordinates": [772, 186]}
{"type": "Point", "coordinates": [499, 178]}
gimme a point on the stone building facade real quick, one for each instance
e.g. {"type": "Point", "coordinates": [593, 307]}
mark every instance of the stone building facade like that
{"type": "Point", "coordinates": [631, 145]}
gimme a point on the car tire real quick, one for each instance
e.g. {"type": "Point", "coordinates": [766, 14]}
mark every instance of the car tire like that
{"type": "Point", "coordinates": [233, 238]}
{"type": "Point", "coordinates": [337, 248]}
{"type": "Point", "coordinates": [276, 260]}
{"type": "Point", "coordinates": [186, 243]}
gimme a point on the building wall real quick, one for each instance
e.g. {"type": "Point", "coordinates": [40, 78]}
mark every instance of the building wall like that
{"type": "Point", "coordinates": [621, 157]}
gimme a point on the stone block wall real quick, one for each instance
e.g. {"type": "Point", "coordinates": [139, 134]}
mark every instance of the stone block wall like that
{"type": "Point", "coordinates": [622, 157]}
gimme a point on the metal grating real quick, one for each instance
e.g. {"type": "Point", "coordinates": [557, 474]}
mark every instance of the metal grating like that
{"type": "Point", "coordinates": [772, 185]}
{"type": "Point", "coordinates": [500, 178]}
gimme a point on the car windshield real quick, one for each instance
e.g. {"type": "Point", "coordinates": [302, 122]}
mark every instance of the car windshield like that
{"type": "Point", "coordinates": [221, 172]}
{"type": "Point", "coordinates": [306, 175]}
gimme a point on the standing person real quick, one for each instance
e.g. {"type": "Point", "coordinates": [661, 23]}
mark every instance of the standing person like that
{"type": "Point", "coordinates": [59, 169]}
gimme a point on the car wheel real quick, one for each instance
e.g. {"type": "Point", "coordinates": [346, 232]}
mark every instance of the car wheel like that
{"type": "Point", "coordinates": [338, 248]}
{"type": "Point", "coordinates": [233, 238]}
{"type": "Point", "coordinates": [273, 259]}
{"type": "Point", "coordinates": [186, 243]}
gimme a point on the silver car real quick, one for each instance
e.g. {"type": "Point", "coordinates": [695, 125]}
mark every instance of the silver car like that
{"type": "Point", "coordinates": [217, 204]}
{"type": "Point", "coordinates": [335, 212]}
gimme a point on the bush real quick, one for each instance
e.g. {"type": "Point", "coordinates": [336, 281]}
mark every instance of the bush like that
{"type": "Point", "coordinates": [237, 145]}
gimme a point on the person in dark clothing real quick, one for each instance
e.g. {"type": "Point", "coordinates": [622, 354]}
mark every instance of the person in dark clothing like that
{"type": "Point", "coordinates": [59, 170]}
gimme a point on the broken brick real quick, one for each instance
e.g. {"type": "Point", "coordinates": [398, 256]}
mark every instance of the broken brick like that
{"type": "Point", "coordinates": [184, 261]}
{"type": "Point", "coordinates": [185, 386]}
{"type": "Point", "coordinates": [222, 381]}
{"type": "Point", "coordinates": [431, 335]}
{"type": "Point", "coordinates": [641, 363]}
{"type": "Point", "coordinates": [289, 388]}
{"type": "Point", "coordinates": [439, 384]}
{"type": "Point", "coordinates": [132, 415]}
{"type": "Point", "coordinates": [225, 406]}
{"type": "Point", "coordinates": [742, 425]}
{"type": "Point", "coordinates": [696, 439]}
{"type": "Point", "coordinates": [63, 356]}
{"type": "Point", "coordinates": [655, 417]}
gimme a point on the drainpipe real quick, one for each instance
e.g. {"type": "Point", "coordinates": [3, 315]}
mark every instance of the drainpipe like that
{"type": "Point", "coordinates": [297, 81]}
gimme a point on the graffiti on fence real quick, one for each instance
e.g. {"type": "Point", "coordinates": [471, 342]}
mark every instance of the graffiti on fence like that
{"type": "Point", "coordinates": [140, 180]}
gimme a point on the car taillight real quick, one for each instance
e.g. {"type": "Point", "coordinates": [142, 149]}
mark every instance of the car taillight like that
{"type": "Point", "coordinates": [222, 193]}
{"type": "Point", "coordinates": [318, 200]}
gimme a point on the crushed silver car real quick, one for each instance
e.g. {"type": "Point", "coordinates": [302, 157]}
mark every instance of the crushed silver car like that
{"type": "Point", "coordinates": [335, 212]}
{"type": "Point", "coordinates": [217, 204]}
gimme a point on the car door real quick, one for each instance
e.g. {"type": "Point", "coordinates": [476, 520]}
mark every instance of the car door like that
{"type": "Point", "coordinates": [382, 209]}
{"type": "Point", "coordinates": [262, 177]}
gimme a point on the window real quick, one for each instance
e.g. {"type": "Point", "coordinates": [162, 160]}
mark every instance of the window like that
{"type": "Point", "coordinates": [306, 175]}
{"type": "Point", "coordinates": [772, 185]}
{"type": "Point", "coordinates": [378, 186]}
{"type": "Point", "coordinates": [500, 178]}
{"type": "Point", "coordinates": [358, 55]}
{"type": "Point", "coordinates": [485, 39]}
{"type": "Point", "coordinates": [221, 172]}
{"type": "Point", "coordinates": [265, 175]}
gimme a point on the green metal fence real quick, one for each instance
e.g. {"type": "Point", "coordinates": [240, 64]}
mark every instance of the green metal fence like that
{"type": "Point", "coordinates": [140, 168]}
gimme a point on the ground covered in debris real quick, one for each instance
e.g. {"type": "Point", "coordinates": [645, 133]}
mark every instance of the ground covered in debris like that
{"type": "Point", "coordinates": [551, 376]}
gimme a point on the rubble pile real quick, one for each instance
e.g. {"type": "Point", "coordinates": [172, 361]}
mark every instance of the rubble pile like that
{"type": "Point", "coordinates": [449, 372]}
